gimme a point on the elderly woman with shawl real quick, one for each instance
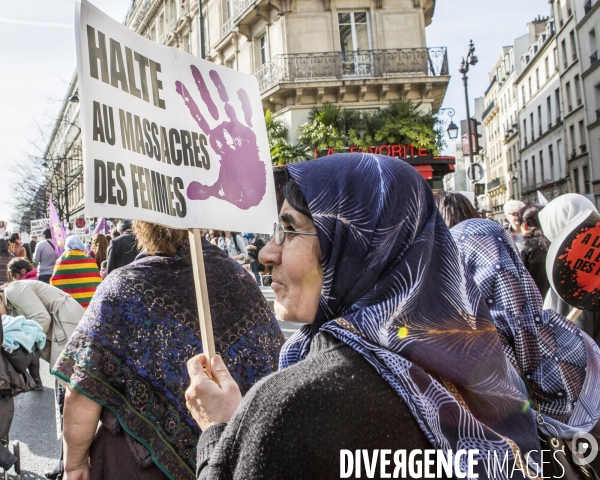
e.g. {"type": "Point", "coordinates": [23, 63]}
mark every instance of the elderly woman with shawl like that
{"type": "Point", "coordinates": [75, 272]}
{"type": "Point", "coordinates": [126, 363]}
{"type": "Point", "coordinates": [560, 364]}
{"type": "Point", "coordinates": [398, 350]}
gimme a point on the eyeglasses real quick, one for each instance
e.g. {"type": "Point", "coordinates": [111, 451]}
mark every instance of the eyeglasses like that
{"type": "Point", "coordinates": [279, 232]}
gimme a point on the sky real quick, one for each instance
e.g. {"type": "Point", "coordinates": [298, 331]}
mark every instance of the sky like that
{"type": "Point", "coordinates": [37, 62]}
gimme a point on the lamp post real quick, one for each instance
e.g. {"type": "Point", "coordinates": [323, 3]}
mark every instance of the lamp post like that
{"type": "Point", "coordinates": [470, 60]}
{"type": "Point", "coordinates": [452, 128]}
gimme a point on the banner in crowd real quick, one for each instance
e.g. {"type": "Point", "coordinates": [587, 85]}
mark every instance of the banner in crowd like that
{"type": "Point", "coordinates": [573, 262]}
{"type": "Point", "coordinates": [38, 226]}
{"type": "Point", "coordinates": [58, 230]}
{"type": "Point", "coordinates": [102, 227]}
{"type": "Point", "coordinates": [167, 137]}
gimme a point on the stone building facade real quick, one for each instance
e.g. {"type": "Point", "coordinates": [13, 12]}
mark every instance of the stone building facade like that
{"type": "Point", "coordinates": [353, 53]}
{"type": "Point", "coordinates": [588, 27]}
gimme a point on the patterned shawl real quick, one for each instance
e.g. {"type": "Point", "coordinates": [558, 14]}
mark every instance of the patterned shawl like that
{"type": "Point", "coordinates": [561, 364]}
{"type": "Point", "coordinates": [394, 289]}
{"type": "Point", "coordinates": [77, 274]}
{"type": "Point", "coordinates": [129, 351]}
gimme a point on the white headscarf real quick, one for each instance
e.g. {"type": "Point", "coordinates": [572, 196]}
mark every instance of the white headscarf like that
{"type": "Point", "coordinates": [559, 212]}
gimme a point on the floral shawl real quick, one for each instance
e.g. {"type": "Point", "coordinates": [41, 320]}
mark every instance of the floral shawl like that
{"type": "Point", "coordinates": [129, 351]}
{"type": "Point", "coordinates": [394, 289]}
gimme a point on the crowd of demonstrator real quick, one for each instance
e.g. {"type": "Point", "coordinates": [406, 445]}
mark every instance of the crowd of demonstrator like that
{"type": "Point", "coordinates": [420, 331]}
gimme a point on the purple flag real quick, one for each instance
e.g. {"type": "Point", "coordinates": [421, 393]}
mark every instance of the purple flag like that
{"type": "Point", "coordinates": [57, 229]}
{"type": "Point", "coordinates": [102, 227]}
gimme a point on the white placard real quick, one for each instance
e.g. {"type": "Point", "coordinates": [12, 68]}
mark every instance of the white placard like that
{"type": "Point", "coordinates": [38, 226]}
{"type": "Point", "coordinates": [167, 137]}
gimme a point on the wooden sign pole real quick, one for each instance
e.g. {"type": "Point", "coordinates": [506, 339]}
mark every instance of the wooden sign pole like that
{"type": "Point", "coordinates": [574, 314]}
{"type": "Point", "coordinates": [206, 330]}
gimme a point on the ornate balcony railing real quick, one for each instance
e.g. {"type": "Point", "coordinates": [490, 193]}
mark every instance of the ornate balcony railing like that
{"type": "Point", "coordinates": [240, 6]}
{"type": "Point", "coordinates": [393, 63]}
{"type": "Point", "coordinates": [227, 27]}
{"type": "Point", "coordinates": [495, 183]}
{"type": "Point", "coordinates": [594, 57]}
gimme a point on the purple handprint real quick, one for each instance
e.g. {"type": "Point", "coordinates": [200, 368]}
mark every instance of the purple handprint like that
{"type": "Point", "coordinates": [242, 179]}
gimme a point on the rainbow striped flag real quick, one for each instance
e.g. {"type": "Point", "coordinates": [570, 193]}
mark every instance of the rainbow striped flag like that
{"type": "Point", "coordinates": [76, 274]}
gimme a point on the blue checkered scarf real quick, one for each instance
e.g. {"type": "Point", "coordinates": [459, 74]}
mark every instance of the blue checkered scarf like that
{"type": "Point", "coordinates": [559, 361]}
{"type": "Point", "coordinates": [394, 290]}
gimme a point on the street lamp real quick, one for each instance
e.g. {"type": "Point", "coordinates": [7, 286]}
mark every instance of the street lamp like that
{"type": "Point", "coordinates": [452, 128]}
{"type": "Point", "coordinates": [470, 60]}
{"type": "Point", "coordinates": [75, 97]}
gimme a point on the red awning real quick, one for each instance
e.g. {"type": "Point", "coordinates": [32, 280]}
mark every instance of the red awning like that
{"type": "Point", "coordinates": [425, 170]}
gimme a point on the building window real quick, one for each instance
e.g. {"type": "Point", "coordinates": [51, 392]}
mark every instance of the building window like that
{"type": "Point", "coordinates": [533, 171]}
{"type": "Point", "coordinates": [537, 78]}
{"type": "Point", "coordinates": [539, 110]}
{"type": "Point", "coordinates": [573, 45]}
{"type": "Point", "coordinates": [551, 157]}
{"type": "Point", "coordinates": [556, 58]}
{"type": "Point", "coordinates": [532, 127]}
{"type": "Point", "coordinates": [228, 9]}
{"type": "Point", "coordinates": [573, 141]}
{"type": "Point", "coordinates": [558, 156]}
{"type": "Point", "coordinates": [578, 90]}
{"type": "Point", "coordinates": [582, 142]}
{"type": "Point", "coordinates": [547, 64]}
{"type": "Point", "coordinates": [526, 175]}
{"type": "Point", "coordinates": [187, 47]}
{"type": "Point", "coordinates": [530, 88]}
{"type": "Point", "coordinates": [549, 108]}
{"type": "Point", "coordinates": [569, 102]}
{"type": "Point", "coordinates": [592, 40]}
{"type": "Point", "coordinates": [524, 97]}
{"type": "Point", "coordinates": [557, 101]}
{"type": "Point", "coordinates": [231, 63]}
{"type": "Point", "coordinates": [563, 46]}
{"type": "Point", "coordinates": [173, 10]}
{"type": "Point", "coordinates": [541, 166]}
{"type": "Point", "coordinates": [354, 31]}
{"type": "Point", "coordinates": [586, 179]}
{"type": "Point", "coordinates": [525, 131]}
{"type": "Point", "coordinates": [576, 180]}
{"type": "Point", "coordinates": [262, 47]}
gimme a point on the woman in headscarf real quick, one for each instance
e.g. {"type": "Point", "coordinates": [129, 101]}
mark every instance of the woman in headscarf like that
{"type": "Point", "coordinates": [398, 350]}
{"type": "Point", "coordinates": [75, 272]}
{"type": "Point", "coordinates": [560, 364]}
{"type": "Point", "coordinates": [126, 363]}
{"type": "Point", "coordinates": [553, 218]}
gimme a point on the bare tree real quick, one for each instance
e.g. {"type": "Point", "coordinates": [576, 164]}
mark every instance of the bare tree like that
{"type": "Point", "coordinates": [55, 171]}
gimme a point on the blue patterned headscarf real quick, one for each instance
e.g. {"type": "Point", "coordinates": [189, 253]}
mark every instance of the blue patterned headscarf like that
{"type": "Point", "coordinates": [560, 362]}
{"type": "Point", "coordinates": [394, 290]}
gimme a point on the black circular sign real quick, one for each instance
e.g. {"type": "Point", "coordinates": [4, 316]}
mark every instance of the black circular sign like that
{"type": "Point", "coordinates": [475, 172]}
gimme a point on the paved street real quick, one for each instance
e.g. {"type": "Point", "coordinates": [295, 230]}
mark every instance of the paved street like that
{"type": "Point", "coordinates": [34, 424]}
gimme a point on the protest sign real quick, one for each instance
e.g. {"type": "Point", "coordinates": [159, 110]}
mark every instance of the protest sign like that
{"type": "Point", "coordinates": [38, 226]}
{"type": "Point", "coordinates": [573, 262]}
{"type": "Point", "coordinates": [169, 138]}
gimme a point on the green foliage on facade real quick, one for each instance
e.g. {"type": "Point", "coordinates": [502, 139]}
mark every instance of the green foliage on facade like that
{"type": "Point", "coordinates": [401, 122]}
